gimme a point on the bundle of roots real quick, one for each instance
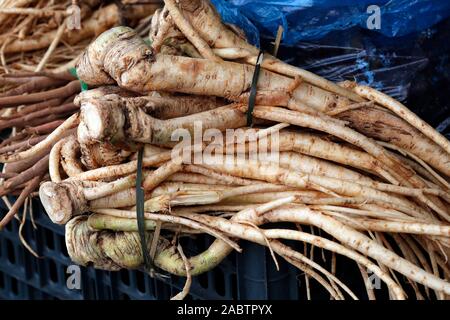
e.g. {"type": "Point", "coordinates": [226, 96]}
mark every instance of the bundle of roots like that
{"type": "Point", "coordinates": [343, 167]}
{"type": "Point", "coordinates": [37, 35]}
{"type": "Point", "coordinates": [44, 35]}
{"type": "Point", "coordinates": [32, 112]}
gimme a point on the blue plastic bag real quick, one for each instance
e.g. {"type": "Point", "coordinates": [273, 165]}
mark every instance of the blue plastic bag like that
{"type": "Point", "coordinates": [313, 19]}
{"type": "Point", "coordinates": [232, 14]}
{"type": "Point", "coordinates": [384, 70]}
{"type": "Point", "coordinates": [330, 37]}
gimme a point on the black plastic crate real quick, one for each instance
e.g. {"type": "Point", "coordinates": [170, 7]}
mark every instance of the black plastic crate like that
{"type": "Point", "coordinates": [22, 276]}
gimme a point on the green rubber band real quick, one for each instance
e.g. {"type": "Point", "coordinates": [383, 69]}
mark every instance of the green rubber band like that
{"type": "Point", "coordinates": [252, 97]}
{"type": "Point", "coordinates": [84, 85]}
{"type": "Point", "coordinates": [148, 262]}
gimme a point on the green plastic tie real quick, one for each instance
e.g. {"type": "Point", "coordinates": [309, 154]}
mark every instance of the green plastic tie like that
{"type": "Point", "coordinates": [84, 85]}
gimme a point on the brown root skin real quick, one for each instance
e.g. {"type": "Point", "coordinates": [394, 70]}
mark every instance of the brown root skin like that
{"type": "Point", "coordinates": [387, 127]}
{"type": "Point", "coordinates": [98, 154]}
{"type": "Point", "coordinates": [66, 199]}
{"type": "Point", "coordinates": [272, 173]}
{"type": "Point", "coordinates": [122, 169]}
{"type": "Point", "coordinates": [102, 120]}
{"type": "Point", "coordinates": [101, 154]}
{"type": "Point", "coordinates": [159, 105]}
{"type": "Point", "coordinates": [266, 98]}
{"type": "Point", "coordinates": [225, 117]}
{"type": "Point", "coordinates": [62, 201]}
{"type": "Point", "coordinates": [44, 146]}
{"type": "Point", "coordinates": [85, 96]}
{"type": "Point", "coordinates": [311, 165]}
{"type": "Point", "coordinates": [50, 118]}
{"type": "Point", "coordinates": [24, 164]}
{"type": "Point", "coordinates": [90, 65]}
{"type": "Point", "coordinates": [97, 124]}
{"type": "Point", "coordinates": [102, 19]}
{"type": "Point", "coordinates": [163, 29]}
{"type": "Point", "coordinates": [35, 84]}
{"type": "Point", "coordinates": [189, 32]}
{"type": "Point", "coordinates": [207, 22]}
{"type": "Point", "coordinates": [39, 106]}
{"type": "Point", "coordinates": [65, 75]}
{"type": "Point", "coordinates": [395, 167]}
{"type": "Point", "coordinates": [404, 113]}
{"type": "Point", "coordinates": [70, 154]}
{"type": "Point", "coordinates": [320, 147]}
{"type": "Point", "coordinates": [205, 19]}
{"type": "Point", "coordinates": [39, 130]}
{"type": "Point", "coordinates": [20, 145]}
{"type": "Point", "coordinates": [107, 59]}
{"type": "Point", "coordinates": [29, 188]}
{"type": "Point", "coordinates": [114, 120]}
{"type": "Point", "coordinates": [8, 175]}
{"type": "Point", "coordinates": [38, 169]}
{"type": "Point", "coordinates": [168, 107]}
{"type": "Point", "coordinates": [124, 198]}
{"type": "Point", "coordinates": [25, 119]}
{"type": "Point", "coordinates": [66, 91]}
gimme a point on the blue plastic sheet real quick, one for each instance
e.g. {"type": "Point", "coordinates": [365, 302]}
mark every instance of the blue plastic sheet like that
{"type": "Point", "coordinates": [331, 38]}
{"type": "Point", "coordinates": [313, 19]}
{"type": "Point", "coordinates": [381, 69]}
{"type": "Point", "coordinates": [232, 14]}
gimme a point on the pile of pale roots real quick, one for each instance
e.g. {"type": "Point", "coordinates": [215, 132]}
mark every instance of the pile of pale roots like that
{"type": "Point", "coordinates": [351, 162]}
{"type": "Point", "coordinates": [40, 35]}
{"type": "Point", "coordinates": [35, 36]}
{"type": "Point", "coordinates": [37, 104]}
